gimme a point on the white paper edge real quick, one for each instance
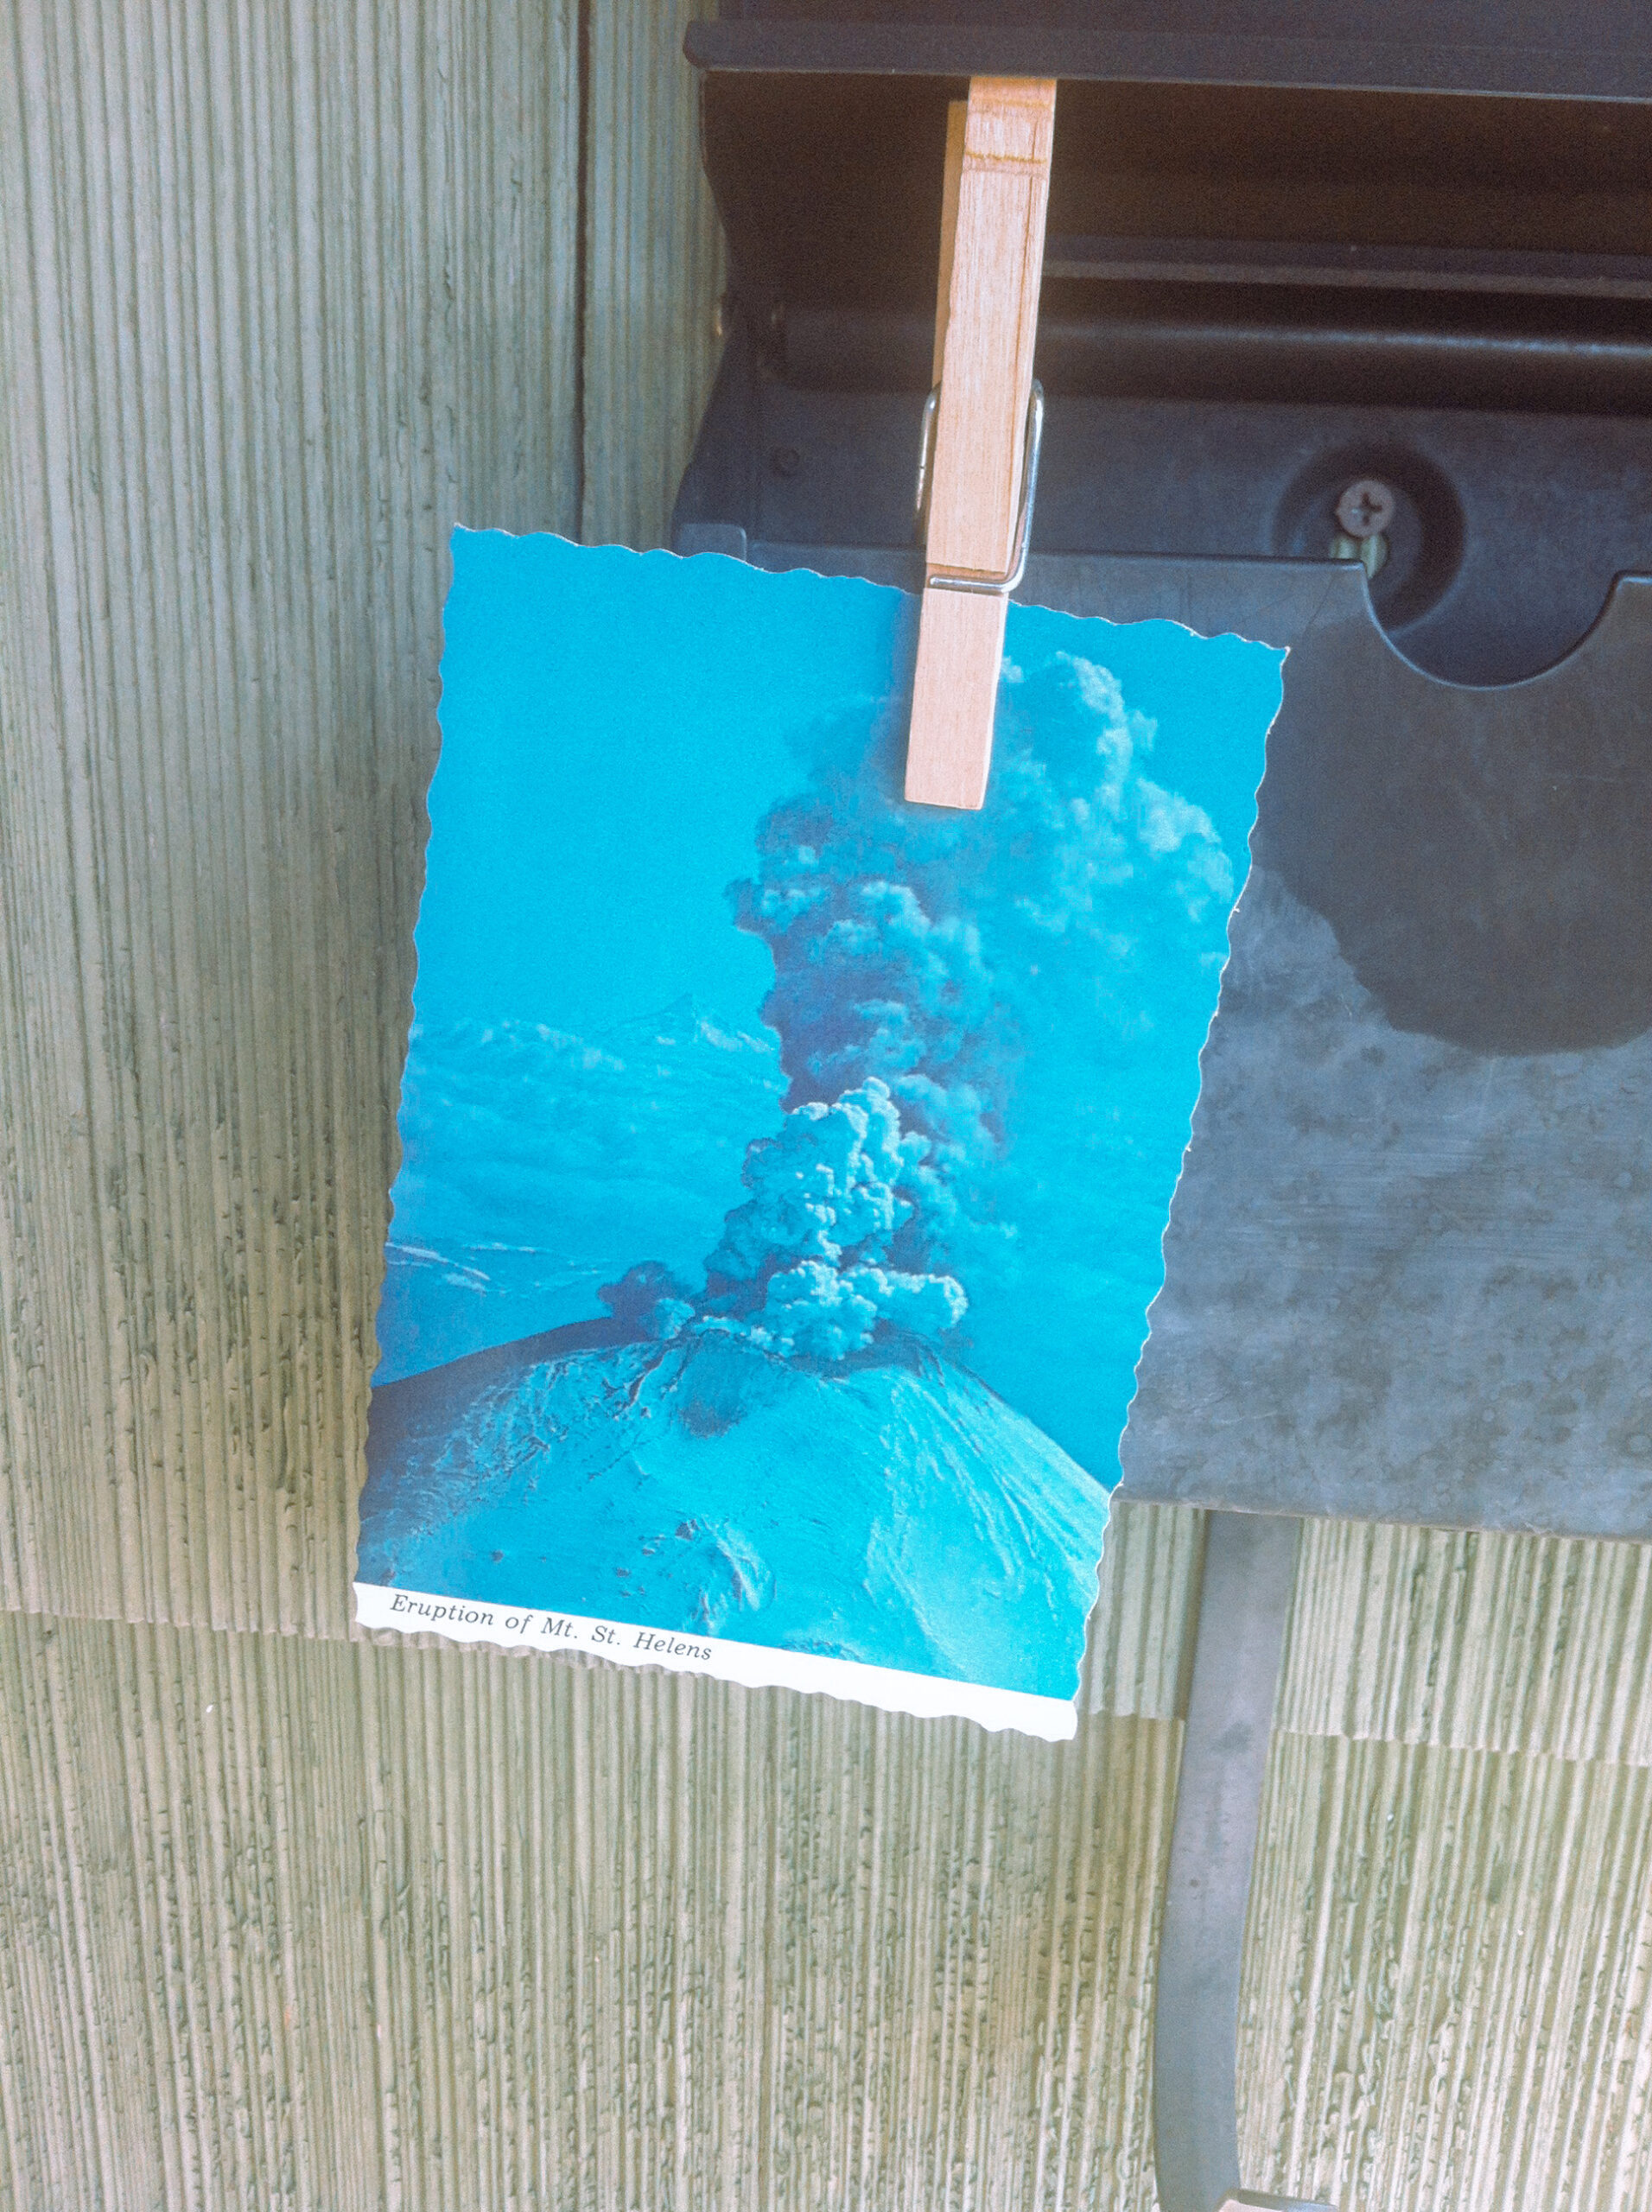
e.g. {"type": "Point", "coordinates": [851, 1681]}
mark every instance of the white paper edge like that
{"type": "Point", "coordinates": [755, 1665]}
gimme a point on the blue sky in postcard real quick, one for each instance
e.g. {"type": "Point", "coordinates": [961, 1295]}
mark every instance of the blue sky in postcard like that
{"type": "Point", "coordinates": [673, 892]}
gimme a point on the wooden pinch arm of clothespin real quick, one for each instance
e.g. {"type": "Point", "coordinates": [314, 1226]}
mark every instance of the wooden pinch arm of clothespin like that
{"type": "Point", "coordinates": [981, 428]}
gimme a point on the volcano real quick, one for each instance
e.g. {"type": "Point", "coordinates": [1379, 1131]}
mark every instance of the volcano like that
{"type": "Point", "coordinates": [889, 1508]}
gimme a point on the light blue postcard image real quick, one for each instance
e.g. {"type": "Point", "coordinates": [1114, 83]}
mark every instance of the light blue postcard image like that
{"type": "Point", "coordinates": [784, 1167]}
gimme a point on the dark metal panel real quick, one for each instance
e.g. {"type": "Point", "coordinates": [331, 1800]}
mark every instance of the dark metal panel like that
{"type": "Point", "coordinates": [1262, 342]}
{"type": "Point", "coordinates": [830, 186]}
{"type": "Point", "coordinates": [1408, 1269]}
{"type": "Point", "coordinates": [1431, 60]}
{"type": "Point", "coordinates": [1509, 528]}
{"type": "Point", "coordinates": [1350, 265]}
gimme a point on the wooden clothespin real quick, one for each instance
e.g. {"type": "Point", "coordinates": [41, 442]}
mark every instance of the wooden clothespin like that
{"type": "Point", "coordinates": [981, 425]}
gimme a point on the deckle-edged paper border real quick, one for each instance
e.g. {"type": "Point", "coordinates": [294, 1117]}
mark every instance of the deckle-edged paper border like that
{"type": "Point", "coordinates": [754, 1666]}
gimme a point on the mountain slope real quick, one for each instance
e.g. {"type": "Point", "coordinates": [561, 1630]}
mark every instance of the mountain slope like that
{"type": "Point", "coordinates": [892, 1510]}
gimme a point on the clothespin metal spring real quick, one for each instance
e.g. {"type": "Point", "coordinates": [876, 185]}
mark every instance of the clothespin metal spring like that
{"type": "Point", "coordinates": [957, 580]}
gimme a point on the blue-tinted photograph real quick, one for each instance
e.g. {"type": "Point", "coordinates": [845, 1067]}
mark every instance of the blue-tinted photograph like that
{"type": "Point", "coordinates": [784, 1166]}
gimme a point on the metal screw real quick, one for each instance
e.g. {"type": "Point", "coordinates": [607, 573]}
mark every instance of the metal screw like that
{"type": "Point", "coordinates": [785, 461]}
{"type": "Point", "coordinates": [1367, 507]}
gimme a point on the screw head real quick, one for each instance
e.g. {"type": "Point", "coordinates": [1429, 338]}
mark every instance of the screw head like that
{"type": "Point", "coordinates": [785, 461]}
{"type": "Point", "coordinates": [1367, 507]}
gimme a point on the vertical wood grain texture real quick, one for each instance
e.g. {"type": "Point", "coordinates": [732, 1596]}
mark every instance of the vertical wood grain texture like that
{"type": "Point", "coordinates": [290, 1920]}
{"type": "Point", "coordinates": [655, 261]}
{"type": "Point", "coordinates": [1496, 1642]}
{"type": "Point", "coordinates": [957, 116]}
{"type": "Point", "coordinates": [955, 697]}
{"type": "Point", "coordinates": [1446, 1980]}
{"type": "Point", "coordinates": [997, 256]}
{"type": "Point", "coordinates": [287, 292]}
{"type": "Point", "coordinates": [995, 193]}
{"type": "Point", "coordinates": [299, 1922]}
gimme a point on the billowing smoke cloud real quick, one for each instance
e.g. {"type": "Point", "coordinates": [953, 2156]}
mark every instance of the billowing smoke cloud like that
{"type": "Point", "coordinates": [831, 1196]}
{"type": "Point", "coordinates": [802, 1267]}
{"type": "Point", "coordinates": [921, 956]}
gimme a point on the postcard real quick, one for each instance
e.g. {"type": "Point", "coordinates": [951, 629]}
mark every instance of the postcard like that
{"type": "Point", "coordinates": [784, 1168]}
